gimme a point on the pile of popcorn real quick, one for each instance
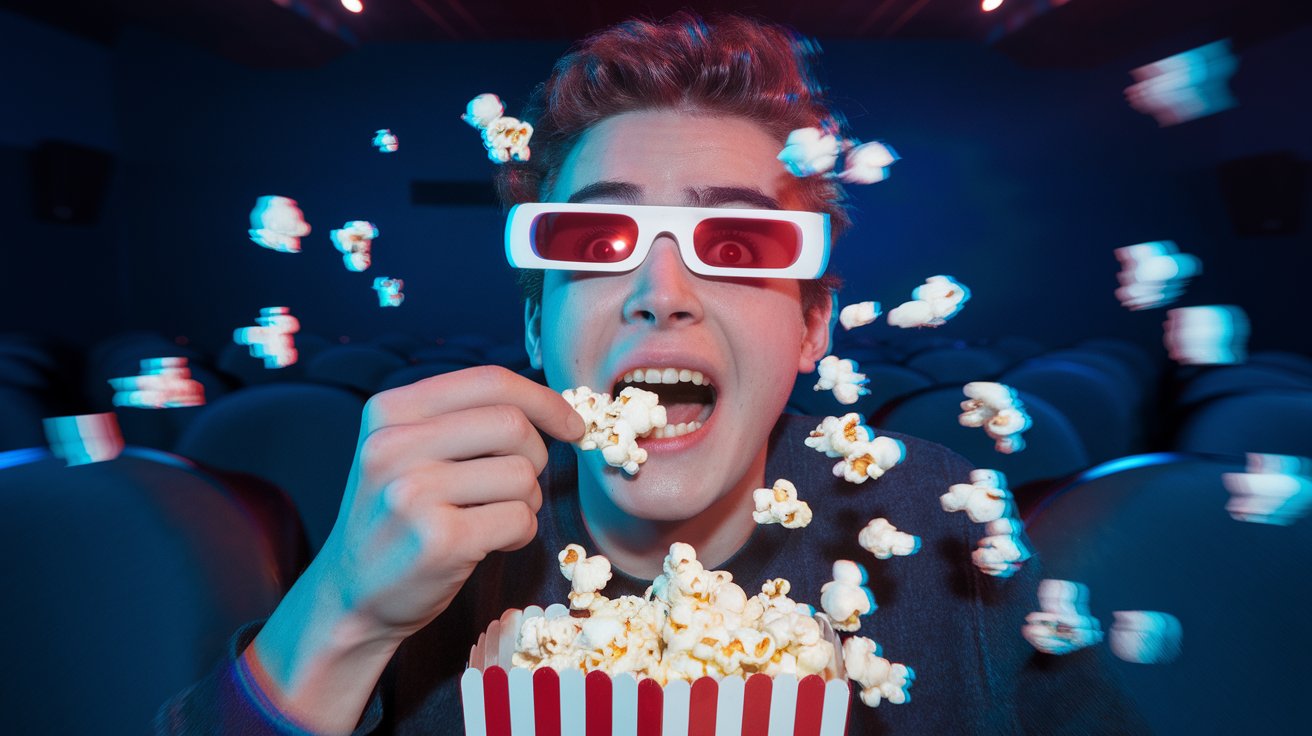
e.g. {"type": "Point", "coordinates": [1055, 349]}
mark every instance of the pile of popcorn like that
{"type": "Point", "coordinates": [997, 409]}
{"type": "Point", "coordinates": [841, 377]}
{"type": "Point", "coordinates": [864, 456]}
{"type": "Point", "coordinates": [691, 623]}
{"type": "Point", "coordinates": [615, 425]}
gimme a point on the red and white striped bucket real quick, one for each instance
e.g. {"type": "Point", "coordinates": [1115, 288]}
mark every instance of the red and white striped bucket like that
{"type": "Point", "coordinates": [500, 700]}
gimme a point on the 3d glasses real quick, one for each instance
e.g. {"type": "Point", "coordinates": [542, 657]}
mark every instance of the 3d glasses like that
{"type": "Point", "coordinates": [713, 241]}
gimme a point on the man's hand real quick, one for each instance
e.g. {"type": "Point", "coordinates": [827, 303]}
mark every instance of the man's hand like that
{"type": "Point", "coordinates": [445, 472]}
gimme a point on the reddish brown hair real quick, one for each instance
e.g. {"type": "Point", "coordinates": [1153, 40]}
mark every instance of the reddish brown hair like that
{"type": "Point", "coordinates": [733, 65]}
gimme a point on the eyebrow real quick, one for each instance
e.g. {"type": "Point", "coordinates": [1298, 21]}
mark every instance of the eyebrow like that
{"type": "Point", "coordinates": [720, 196]}
{"type": "Point", "coordinates": [704, 197]}
{"type": "Point", "coordinates": [621, 190]}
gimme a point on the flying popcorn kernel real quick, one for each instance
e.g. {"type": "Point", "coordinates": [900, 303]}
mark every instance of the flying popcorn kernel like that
{"type": "Point", "coordinates": [779, 505]}
{"type": "Point", "coordinates": [1064, 624]}
{"type": "Point", "coordinates": [385, 141]}
{"type": "Point", "coordinates": [932, 304]}
{"type": "Point", "coordinates": [1275, 489]}
{"type": "Point", "coordinates": [83, 439]}
{"type": "Point", "coordinates": [389, 291]}
{"type": "Point", "coordinates": [271, 337]}
{"type": "Point", "coordinates": [809, 151]}
{"type": "Point", "coordinates": [845, 598]}
{"type": "Point", "coordinates": [859, 314]}
{"type": "Point", "coordinates": [835, 436]}
{"type": "Point", "coordinates": [482, 110]}
{"type": "Point", "coordinates": [841, 377]}
{"type": "Point", "coordinates": [1145, 637]}
{"type": "Point", "coordinates": [883, 540]}
{"type": "Point", "coordinates": [996, 408]}
{"type": "Point", "coordinates": [1185, 86]}
{"type": "Point", "coordinates": [869, 460]}
{"type": "Point", "coordinates": [164, 383]}
{"type": "Point", "coordinates": [1002, 549]}
{"type": "Point", "coordinates": [1153, 274]}
{"type": "Point", "coordinates": [615, 426]}
{"type": "Point", "coordinates": [277, 223]}
{"type": "Point", "coordinates": [879, 678]}
{"type": "Point", "coordinates": [867, 163]}
{"type": "Point", "coordinates": [1214, 335]}
{"type": "Point", "coordinates": [984, 499]}
{"type": "Point", "coordinates": [354, 241]}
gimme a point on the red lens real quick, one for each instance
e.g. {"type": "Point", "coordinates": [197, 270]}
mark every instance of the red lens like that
{"type": "Point", "coordinates": [737, 242]}
{"type": "Point", "coordinates": [589, 237]}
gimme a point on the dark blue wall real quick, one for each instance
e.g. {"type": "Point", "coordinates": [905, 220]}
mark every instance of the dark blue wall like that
{"type": "Point", "coordinates": [1020, 182]}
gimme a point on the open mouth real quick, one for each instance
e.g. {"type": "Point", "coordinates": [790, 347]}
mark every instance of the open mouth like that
{"type": "Point", "coordinates": [687, 395]}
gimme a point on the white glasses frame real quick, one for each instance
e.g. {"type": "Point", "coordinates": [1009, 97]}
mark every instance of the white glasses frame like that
{"type": "Point", "coordinates": [678, 222]}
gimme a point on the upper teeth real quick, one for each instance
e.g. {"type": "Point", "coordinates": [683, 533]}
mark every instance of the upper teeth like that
{"type": "Point", "coordinates": [665, 375]}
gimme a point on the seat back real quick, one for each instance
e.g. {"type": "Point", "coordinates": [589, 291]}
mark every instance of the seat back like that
{"type": "Point", "coordinates": [358, 367]}
{"type": "Point", "coordinates": [300, 437]}
{"type": "Point", "coordinates": [1151, 533]}
{"type": "Point", "coordinates": [958, 364]}
{"type": "Point", "coordinates": [123, 581]}
{"type": "Point", "coordinates": [1275, 422]}
{"type": "Point", "coordinates": [1099, 408]}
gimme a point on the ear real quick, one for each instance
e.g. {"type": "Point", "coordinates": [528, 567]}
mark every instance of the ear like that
{"type": "Point", "coordinates": [533, 332]}
{"type": "Point", "coordinates": [818, 326]}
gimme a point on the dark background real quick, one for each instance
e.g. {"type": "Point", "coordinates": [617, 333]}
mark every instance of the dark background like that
{"type": "Point", "coordinates": [1023, 167]}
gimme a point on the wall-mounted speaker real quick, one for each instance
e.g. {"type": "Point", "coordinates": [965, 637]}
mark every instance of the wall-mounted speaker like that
{"type": "Point", "coordinates": [69, 182]}
{"type": "Point", "coordinates": [1265, 193]}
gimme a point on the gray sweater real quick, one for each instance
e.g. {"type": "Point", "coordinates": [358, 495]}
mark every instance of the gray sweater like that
{"type": "Point", "coordinates": [957, 628]}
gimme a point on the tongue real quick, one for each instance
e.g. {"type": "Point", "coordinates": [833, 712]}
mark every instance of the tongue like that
{"type": "Point", "coordinates": [682, 413]}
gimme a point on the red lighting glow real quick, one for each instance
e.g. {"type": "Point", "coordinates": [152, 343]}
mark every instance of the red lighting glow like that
{"type": "Point", "coordinates": [355, 6]}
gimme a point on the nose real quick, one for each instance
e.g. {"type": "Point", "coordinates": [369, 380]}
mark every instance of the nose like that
{"type": "Point", "coordinates": [664, 291]}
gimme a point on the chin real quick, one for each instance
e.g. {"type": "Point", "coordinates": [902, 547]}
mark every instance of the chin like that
{"type": "Point", "coordinates": [653, 496]}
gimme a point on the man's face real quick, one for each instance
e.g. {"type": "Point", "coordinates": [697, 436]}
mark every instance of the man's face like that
{"type": "Point", "coordinates": [747, 337]}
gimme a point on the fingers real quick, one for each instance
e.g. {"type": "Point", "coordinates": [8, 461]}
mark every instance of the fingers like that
{"type": "Point", "coordinates": [486, 431]}
{"type": "Point", "coordinates": [470, 388]}
{"type": "Point", "coordinates": [483, 480]}
{"type": "Point", "coordinates": [504, 526]}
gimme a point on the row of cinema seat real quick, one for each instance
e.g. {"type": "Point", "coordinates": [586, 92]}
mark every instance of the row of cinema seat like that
{"type": "Point", "coordinates": [127, 576]}
{"type": "Point", "coordinates": [1091, 403]}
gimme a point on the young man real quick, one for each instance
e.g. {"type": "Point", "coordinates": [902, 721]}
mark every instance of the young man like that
{"type": "Point", "coordinates": [455, 508]}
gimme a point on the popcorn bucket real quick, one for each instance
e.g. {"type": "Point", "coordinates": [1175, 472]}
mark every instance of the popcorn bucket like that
{"type": "Point", "coordinates": [501, 700]}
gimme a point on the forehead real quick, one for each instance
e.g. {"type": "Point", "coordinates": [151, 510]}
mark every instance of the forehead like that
{"type": "Point", "coordinates": [671, 155]}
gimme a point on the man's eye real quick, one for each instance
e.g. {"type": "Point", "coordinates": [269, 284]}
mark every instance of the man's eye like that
{"type": "Point", "coordinates": [730, 250]}
{"type": "Point", "coordinates": [603, 246]}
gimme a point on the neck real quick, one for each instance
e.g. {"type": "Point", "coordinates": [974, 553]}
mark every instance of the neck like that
{"type": "Point", "coordinates": [638, 546]}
